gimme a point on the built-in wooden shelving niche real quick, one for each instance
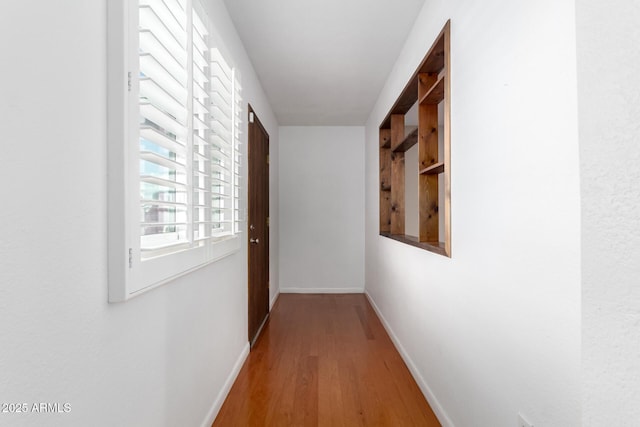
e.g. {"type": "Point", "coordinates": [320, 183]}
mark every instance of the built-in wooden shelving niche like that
{"type": "Point", "coordinates": [429, 86]}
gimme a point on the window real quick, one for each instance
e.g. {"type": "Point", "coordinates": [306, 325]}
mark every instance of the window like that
{"type": "Point", "coordinates": [174, 160]}
{"type": "Point", "coordinates": [425, 102]}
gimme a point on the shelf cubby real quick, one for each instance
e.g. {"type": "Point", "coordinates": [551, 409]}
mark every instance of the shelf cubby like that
{"type": "Point", "coordinates": [434, 169]}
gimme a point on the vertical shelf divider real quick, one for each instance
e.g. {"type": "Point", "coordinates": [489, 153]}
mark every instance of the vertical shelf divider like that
{"type": "Point", "coordinates": [385, 180]}
{"type": "Point", "coordinates": [397, 175]}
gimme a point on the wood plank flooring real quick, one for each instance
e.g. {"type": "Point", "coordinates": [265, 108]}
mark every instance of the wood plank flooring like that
{"type": "Point", "coordinates": [324, 360]}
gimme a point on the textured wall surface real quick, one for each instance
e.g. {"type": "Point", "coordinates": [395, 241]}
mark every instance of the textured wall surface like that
{"type": "Point", "coordinates": [495, 330]}
{"type": "Point", "coordinates": [608, 36]}
{"type": "Point", "coordinates": [162, 358]}
{"type": "Point", "coordinates": [322, 209]}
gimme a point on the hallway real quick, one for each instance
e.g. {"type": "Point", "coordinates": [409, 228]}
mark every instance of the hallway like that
{"type": "Point", "coordinates": [324, 360]}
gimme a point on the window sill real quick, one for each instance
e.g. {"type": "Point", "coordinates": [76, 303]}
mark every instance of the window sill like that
{"type": "Point", "coordinates": [152, 273]}
{"type": "Point", "coordinates": [437, 248]}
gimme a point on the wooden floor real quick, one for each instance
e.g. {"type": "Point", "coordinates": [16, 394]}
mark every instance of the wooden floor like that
{"type": "Point", "coordinates": [324, 360]}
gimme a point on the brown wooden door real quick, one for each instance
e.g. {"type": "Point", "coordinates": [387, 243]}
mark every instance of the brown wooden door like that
{"type": "Point", "coordinates": [258, 228]}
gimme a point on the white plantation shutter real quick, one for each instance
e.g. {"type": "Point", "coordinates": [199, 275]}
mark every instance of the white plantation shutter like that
{"type": "Point", "coordinates": [180, 198]}
{"type": "Point", "coordinates": [237, 114]}
{"type": "Point", "coordinates": [201, 148]}
{"type": "Point", "coordinates": [164, 126]}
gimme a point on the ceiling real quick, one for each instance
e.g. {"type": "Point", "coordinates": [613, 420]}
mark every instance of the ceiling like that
{"type": "Point", "coordinates": [323, 62]}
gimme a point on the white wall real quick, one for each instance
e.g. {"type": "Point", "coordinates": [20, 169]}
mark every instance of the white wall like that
{"type": "Point", "coordinates": [322, 209]}
{"type": "Point", "coordinates": [609, 115]}
{"type": "Point", "coordinates": [495, 330]}
{"type": "Point", "coordinates": [161, 359]}
{"type": "Point", "coordinates": [274, 205]}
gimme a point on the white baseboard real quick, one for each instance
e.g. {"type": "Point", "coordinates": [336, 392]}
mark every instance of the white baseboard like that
{"type": "Point", "coordinates": [226, 388]}
{"type": "Point", "coordinates": [273, 300]}
{"type": "Point", "coordinates": [321, 290]}
{"type": "Point", "coordinates": [424, 387]}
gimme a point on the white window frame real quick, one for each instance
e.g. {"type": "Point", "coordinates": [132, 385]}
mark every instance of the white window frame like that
{"type": "Point", "coordinates": [128, 274]}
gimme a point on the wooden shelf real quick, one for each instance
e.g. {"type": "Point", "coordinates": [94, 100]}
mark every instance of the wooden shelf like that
{"type": "Point", "coordinates": [435, 95]}
{"type": "Point", "coordinates": [436, 169]}
{"type": "Point", "coordinates": [435, 247]}
{"type": "Point", "coordinates": [407, 143]}
{"type": "Point", "coordinates": [428, 90]}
